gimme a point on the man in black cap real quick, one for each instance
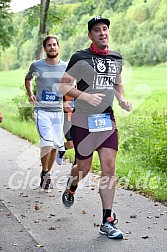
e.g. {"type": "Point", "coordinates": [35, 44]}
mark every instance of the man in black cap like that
{"type": "Point", "coordinates": [97, 72]}
{"type": "Point", "coordinates": [98, 19]}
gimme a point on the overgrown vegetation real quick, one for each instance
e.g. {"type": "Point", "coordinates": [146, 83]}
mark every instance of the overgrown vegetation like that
{"type": "Point", "coordinates": [6, 27]}
{"type": "Point", "coordinates": [143, 148]}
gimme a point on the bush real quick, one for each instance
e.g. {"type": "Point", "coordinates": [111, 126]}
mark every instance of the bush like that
{"type": "Point", "coordinates": [14, 66]}
{"type": "Point", "coordinates": [158, 157]}
{"type": "Point", "coordinates": [146, 139]}
{"type": "Point", "coordinates": [24, 108]}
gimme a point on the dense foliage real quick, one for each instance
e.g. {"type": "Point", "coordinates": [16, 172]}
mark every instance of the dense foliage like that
{"type": "Point", "coordinates": [138, 30]}
{"type": "Point", "coordinates": [6, 27]}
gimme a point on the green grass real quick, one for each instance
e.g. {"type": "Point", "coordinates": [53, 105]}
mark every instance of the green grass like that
{"type": "Point", "coordinates": [141, 160]}
{"type": "Point", "coordinates": [11, 83]}
{"type": "Point", "coordinates": [12, 123]}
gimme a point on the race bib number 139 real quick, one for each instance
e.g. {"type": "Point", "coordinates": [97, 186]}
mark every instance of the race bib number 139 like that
{"type": "Point", "coordinates": [99, 122]}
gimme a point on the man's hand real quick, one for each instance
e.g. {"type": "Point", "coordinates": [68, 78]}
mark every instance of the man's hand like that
{"type": "Point", "coordinates": [32, 99]}
{"type": "Point", "coordinates": [93, 99]}
{"type": "Point", "coordinates": [125, 105]}
{"type": "Point", "coordinates": [67, 107]}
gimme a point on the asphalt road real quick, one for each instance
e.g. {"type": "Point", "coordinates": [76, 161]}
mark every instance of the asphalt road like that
{"type": "Point", "coordinates": [53, 228]}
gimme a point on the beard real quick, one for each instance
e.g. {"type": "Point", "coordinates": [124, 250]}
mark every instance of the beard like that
{"type": "Point", "coordinates": [52, 56]}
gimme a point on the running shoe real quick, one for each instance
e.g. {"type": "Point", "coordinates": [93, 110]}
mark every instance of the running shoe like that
{"type": "Point", "coordinates": [59, 157]}
{"type": "Point", "coordinates": [46, 181]}
{"type": "Point", "coordinates": [68, 198]}
{"type": "Point", "coordinates": [109, 228]}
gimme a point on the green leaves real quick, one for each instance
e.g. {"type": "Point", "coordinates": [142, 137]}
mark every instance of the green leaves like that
{"type": "Point", "coordinates": [6, 27]}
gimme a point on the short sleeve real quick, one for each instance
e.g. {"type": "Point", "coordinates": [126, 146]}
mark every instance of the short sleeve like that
{"type": "Point", "coordinates": [31, 72]}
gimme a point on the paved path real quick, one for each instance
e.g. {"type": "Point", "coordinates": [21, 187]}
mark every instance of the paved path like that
{"type": "Point", "coordinates": [53, 228]}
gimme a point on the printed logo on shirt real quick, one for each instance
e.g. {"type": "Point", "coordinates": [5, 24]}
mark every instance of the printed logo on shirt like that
{"type": "Point", "coordinates": [105, 73]}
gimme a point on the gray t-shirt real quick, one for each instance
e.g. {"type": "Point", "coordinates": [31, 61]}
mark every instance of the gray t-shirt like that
{"type": "Point", "coordinates": [47, 79]}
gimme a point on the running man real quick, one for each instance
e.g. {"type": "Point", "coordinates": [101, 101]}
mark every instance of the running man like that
{"type": "Point", "coordinates": [48, 102]}
{"type": "Point", "coordinates": [97, 72]}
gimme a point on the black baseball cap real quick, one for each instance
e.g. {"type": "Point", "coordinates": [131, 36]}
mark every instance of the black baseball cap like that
{"type": "Point", "coordinates": [96, 20]}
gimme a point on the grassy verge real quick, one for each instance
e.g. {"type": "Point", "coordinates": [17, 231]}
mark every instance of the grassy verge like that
{"type": "Point", "coordinates": [141, 160]}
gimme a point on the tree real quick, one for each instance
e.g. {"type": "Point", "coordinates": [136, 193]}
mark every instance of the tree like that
{"type": "Point", "coordinates": [6, 27]}
{"type": "Point", "coordinates": [44, 7]}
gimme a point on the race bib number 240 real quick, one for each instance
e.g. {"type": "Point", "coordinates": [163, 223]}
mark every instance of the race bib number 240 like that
{"type": "Point", "coordinates": [49, 96]}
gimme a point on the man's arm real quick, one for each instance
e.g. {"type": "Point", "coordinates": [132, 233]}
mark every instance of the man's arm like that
{"type": "Point", "coordinates": [28, 86]}
{"type": "Point", "coordinates": [119, 94]}
{"type": "Point", "coordinates": [67, 88]}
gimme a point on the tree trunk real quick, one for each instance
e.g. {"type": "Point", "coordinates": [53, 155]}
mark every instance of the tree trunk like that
{"type": "Point", "coordinates": [44, 7]}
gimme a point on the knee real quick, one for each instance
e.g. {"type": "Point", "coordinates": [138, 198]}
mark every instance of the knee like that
{"type": "Point", "coordinates": [109, 171]}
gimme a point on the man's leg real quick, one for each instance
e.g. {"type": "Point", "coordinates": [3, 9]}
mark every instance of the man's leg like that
{"type": "Point", "coordinates": [78, 172]}
{"type": "Point", "coordinates": [81, 169]}
{"type": "Point", "coordinates": [60, 154]}
{"type": "Point", "coordinates": [48, 155]}
{"type": "Point", "coordinates": [45, 157]}
{"type": "Point", "coordinates": [107, 183]}
{"type": "Point", "coordinates": [51, 159]}
{"type": "Point", "coordinates": [107, 191]}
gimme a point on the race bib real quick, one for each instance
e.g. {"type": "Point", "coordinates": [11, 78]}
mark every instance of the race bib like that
{"type": "Point", "coordinates": [50, 96]}
{"type": "Point", "coordinates": [99, 122]}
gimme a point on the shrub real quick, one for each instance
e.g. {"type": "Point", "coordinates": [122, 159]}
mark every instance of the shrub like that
{"type": "Point", "coordinates": [145, 137]}
{"type": "Point", "coordinates": [24, 108]}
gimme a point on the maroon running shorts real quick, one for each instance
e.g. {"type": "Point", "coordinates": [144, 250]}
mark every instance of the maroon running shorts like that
{"type": "Point", "coordinates": [85, 142]}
